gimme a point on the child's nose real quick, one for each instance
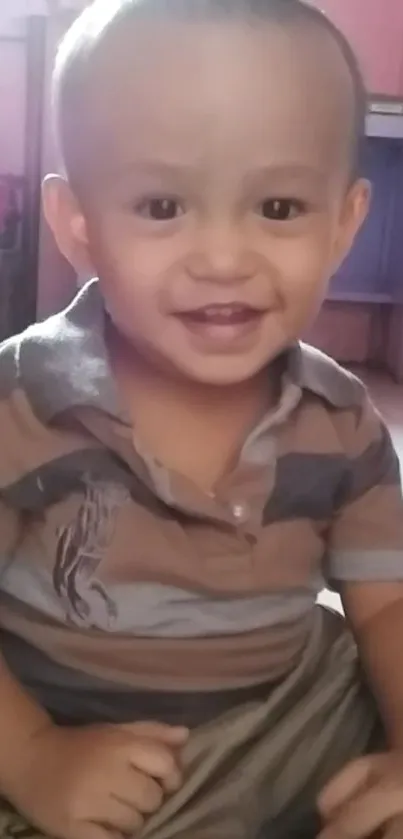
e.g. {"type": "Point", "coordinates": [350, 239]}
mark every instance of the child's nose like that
{"type": "Point", "coordinates": [222, 254]}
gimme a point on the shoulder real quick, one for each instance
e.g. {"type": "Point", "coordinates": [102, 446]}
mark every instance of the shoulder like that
{"type": "Point", "coordinates": [22, 354]}
{"type": "Point", "coordinates": [354, 417]}
{"type": "Point", "coordinates": [19, 361]}
{"type": "Point", "coordinates": [61, 361]}
{"type": "Point", "coordinates": [357, 422]}
{"type": "Point", "coordinates": [10, 369]}
{"type": "Point", "coordinates": [323, 376]}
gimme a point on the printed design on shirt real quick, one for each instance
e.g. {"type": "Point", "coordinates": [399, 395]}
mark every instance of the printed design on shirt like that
{"type": "Point", "coordinates": [81, 548]}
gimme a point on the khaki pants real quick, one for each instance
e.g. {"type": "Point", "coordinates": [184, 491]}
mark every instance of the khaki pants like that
{"type": "Point", "coordinates": [255, 772]}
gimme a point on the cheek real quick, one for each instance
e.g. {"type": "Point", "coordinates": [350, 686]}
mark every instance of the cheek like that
{"type": "Point", "coordinates": [306, 264]}
{"type": "Point", "coordinates": [304, 270]}
{"type": "Point", "coordinates": [131, 299]}
{"type": "Point", "coordinates": [131, 260]}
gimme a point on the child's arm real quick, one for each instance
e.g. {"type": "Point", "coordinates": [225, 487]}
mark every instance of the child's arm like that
{"type": "Point", "coordinates": [79, 783]}
{"type": "Point", "coordinates": [21, 719]}
{"type": "Point", "coordinates": [20, 716]}
{"type": "Point", "coordinates": [375, 611]}
{"type": "Point", "coordinates": [366, 561]}
{"type": "Point", "coordinates": [98, 782]}
{"type": "Point", "coordinates": [73, 783]}
{"type": "Point", "coordinates": [367, 796]}
{"type": "Point", "coordinates": [88, 783]}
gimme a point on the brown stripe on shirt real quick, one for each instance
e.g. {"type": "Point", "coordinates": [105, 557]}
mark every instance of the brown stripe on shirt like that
{"type": "Point", "coordinates": [165, 664]}
{"type": "Point", "coordinates": [381, 533]}
{"type": "Point", "coordinates": [55, 480]}
{"type": "Point", "coordinates": [72, 697]}
{"type": "Point", "coordinates": [28, 444]}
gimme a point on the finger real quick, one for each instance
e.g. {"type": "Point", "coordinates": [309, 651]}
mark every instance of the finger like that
{"type": "Point", "coordinates": [119, 816]}
{"type": "Point", "coordinates": [139, 792]}
{"type": "Point", "coordinates": [89, 830]}
{"type": "Point", "coordinates": [347, 784]}
{"type": "Point", "coordinates": [169, 734]}
{"type": "Point", "coordinates": [172, 783]}
{"type": "Point", "coordinates": [362, 817]}
{"type": "Point", "coordinates": [395, 830]}
{"type": "Point", "coordinates": [158, 762]}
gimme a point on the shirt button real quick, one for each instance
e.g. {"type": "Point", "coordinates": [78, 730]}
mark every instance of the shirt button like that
{"type": "Point", "coordinates": [240, 512]}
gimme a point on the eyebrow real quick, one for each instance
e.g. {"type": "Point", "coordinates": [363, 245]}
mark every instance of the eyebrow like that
{"type": "Point", "coordinates": [290, 171]}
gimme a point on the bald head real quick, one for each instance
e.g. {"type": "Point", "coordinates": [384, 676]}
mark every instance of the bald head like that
{"type": "Point", "coordinates": [106, 31]}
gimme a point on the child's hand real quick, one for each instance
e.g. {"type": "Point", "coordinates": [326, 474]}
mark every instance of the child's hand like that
{"type": "Point", "coordinates": [94, 783]}
{"type": "Point", "coordinates": [365, 800]}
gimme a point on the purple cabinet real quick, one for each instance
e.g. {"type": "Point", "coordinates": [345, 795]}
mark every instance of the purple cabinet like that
{"type": "Point", "coordinates": [375, 31]}
{"type": "Point", "coordinates": [362, 322]}
{"type": "Point", "coordinates": [394, 241]}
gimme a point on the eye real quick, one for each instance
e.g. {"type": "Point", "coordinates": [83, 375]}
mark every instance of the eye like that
{"type": "Point", "coordinates": [282, 209]}
{"type": "Point", "coordinates": [159, 209]}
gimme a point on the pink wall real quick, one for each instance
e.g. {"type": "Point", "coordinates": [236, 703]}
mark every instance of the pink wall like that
{"type": "Point", "coordinates": [12, 99]}
{"type": "Point", "coordinates": [375, 29]}
{"type": "Point", "coordinates": [57, 283]}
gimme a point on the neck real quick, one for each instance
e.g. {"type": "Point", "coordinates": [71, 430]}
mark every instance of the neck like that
{"type": "Point", "coordinates": [137, 375]}
{"type": "Point", "coordinates": [213, 422]}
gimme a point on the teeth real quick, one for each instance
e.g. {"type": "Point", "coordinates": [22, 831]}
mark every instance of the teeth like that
{"type": "Point", "coordinates": [224, 314]}
{"type": "Point", "coordinates": [222, 311]}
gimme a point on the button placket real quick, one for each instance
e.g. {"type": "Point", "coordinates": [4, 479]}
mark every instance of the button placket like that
{"type": "Point", "coordinates": [240, 511]}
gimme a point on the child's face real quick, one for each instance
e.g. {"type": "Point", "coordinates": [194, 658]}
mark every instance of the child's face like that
{"type": "Point", "coordinates": [215, 205]}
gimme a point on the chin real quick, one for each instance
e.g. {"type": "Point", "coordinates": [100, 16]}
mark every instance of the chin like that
{"type": "Point", "coordinates": [219, 374]}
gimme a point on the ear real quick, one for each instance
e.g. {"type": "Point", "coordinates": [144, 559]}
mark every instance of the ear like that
{"type": "Point", "coordinates": [67, 222]}
{"type": "Point", "coordinates": [353, 214]}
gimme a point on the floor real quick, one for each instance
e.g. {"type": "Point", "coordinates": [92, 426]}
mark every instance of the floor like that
{"type": "Point", "coordinates": [388, 398]}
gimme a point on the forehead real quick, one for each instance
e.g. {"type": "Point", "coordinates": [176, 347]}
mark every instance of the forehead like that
{"type": "Point", "coordinates": [218, 95]}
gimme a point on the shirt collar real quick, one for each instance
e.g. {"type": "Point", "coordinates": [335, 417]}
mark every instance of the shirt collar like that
{"type": "Point", "coordinates": [64, 363]}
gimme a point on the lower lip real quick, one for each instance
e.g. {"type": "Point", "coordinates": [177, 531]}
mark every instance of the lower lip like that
{"type": "Point", "coordinates": [223, 332]}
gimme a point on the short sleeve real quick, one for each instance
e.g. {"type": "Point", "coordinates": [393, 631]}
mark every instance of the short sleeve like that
{"type": "Point", "coordinates": [366, 536]}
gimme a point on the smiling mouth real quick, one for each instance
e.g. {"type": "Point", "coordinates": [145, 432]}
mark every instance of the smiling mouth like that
{"type": "Point", "coordinates": [228, 327]}
{"type": "Point", "coordinates": [229, 314]}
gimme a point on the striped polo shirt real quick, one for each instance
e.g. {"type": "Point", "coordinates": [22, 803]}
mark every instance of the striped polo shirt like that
{"type": "Point", "coordinates": [125, 591]}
